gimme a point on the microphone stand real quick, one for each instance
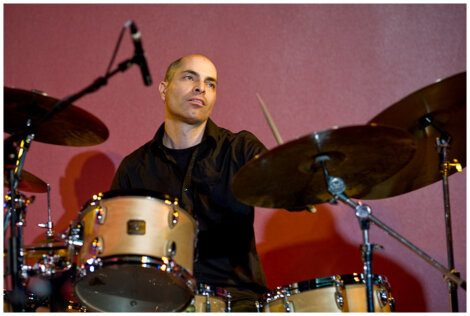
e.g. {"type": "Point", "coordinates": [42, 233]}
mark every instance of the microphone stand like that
{"type": "Point", "coordinates": [336, 188]}
{"type": "Point", "coordinates": [15, 256]}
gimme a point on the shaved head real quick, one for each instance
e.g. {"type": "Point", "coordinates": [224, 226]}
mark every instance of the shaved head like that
{"type": "Point", "coordinates": [170, 71]}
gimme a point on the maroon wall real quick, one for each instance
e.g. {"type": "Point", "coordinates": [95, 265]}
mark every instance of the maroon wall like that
{"type": "Point", "coordinates": [316, 66]}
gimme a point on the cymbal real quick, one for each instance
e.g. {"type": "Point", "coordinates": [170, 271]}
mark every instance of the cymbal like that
{"type": "Point", "coordinates": [444, 104]}
{"type": "Point", "coordinates": [46, 245]}
{"type": "Point", "coordinates": [28, 182]}
{"type": "Point", "coordinates": [36, 251]}
{"type": "Point", "coordinates": [290, 176]}
{"type": "Point", "coordinates": [72, 126]}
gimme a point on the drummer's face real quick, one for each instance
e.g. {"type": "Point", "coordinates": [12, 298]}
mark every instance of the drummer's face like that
{"type": "Point", "coordinates": [190, 94]}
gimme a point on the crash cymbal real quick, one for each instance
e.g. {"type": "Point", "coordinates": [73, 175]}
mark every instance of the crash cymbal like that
{"type": "Point", "coordinates": [72, 126]}
{"type": "Point", "coordinates": [290, 176]}
{"type": "Point", "coordinates": [442, 103]}
{"type": "Point", "coordinates": [28, 183]}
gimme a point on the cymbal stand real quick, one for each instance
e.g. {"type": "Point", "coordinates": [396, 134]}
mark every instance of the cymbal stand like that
{"type": "Point", "coordinates": [336, 188]}
{"type": "Point", "coordinates": [442, 144]}
{"type": "Point", "coordinates": [15, 212]}
{"type": "Point", "coordinates": [49, 225]}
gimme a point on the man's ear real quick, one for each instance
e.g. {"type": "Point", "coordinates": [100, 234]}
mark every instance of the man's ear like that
{"type": "Point", "coordinates": [162, 86]}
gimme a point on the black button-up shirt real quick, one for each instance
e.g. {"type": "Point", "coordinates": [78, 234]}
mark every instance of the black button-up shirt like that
{"type": "Point", "coordinates": [225, 253]}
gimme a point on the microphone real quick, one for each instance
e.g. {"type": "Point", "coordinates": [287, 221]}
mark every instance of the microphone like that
{"type": "Point", "coordinates": [139, 56]}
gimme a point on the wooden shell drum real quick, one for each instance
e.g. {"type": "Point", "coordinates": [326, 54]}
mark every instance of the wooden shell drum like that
{"type": "Point", "coordinates": [339, 293]}
{"type": "Point", "coordinates": [136, 254]}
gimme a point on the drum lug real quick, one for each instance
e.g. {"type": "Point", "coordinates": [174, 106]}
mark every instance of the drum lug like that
{"type": "Point", "coordinates": [339, 290]}
{"type": "Point", "coordinates": [384, 298]}
{"type": "Point", "coordinates": [173, 217]}
{"type": "Point", "coordinates": [190, 285]}
{"type": "Point", "coordinates": [100, 214]}
{"type": "Point", "coordinates": [208, 302]}
{"type": "Point", "coordinates": [288, 305]}
{"type": "Point", "coordinates": [259, 306]}
{"type": "Point", "coordinates": [75, 235]}
{"type": "Point", "coordinates": [170, 250]}
{"type": "Point", "coordinates": [228, 308]}
{"type": "Point", "coordinates": [91, 264]}
{"type": "Point", "coordinates": [391, 303]}
{"type": "Point", "coordinates": [97, 246]}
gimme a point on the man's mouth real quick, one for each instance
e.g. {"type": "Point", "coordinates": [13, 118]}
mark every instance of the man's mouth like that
{"type": "Point", "coordinates": [196, 101]}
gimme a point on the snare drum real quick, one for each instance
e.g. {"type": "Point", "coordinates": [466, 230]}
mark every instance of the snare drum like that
{"type": "Point", "coordinates": [340, 293]}
{"type": "Point", "coordinates": [136, 253]}
{"type": "Point", "coordinates": [210, 299]}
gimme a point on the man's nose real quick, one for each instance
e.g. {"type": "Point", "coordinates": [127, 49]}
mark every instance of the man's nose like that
{"type": "Point", "coordinates": [199, 87]}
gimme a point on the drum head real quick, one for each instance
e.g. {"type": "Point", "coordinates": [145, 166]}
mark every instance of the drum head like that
{"type": "Point", "coordinates": [145, 289]}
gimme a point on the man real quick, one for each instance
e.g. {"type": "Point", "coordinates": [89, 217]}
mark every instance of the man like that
{"type": "Point", "coordinates": [193, 159]}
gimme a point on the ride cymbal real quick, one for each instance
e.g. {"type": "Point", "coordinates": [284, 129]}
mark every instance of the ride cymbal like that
{"type": "Point", "coordinates": [71, 126]}
{"type": "Point", "coordinates": [439, 106]}
{"type": "Point", "coordinates": [291, 176]}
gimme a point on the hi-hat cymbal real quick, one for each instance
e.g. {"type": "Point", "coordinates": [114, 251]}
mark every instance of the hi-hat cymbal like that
{"type": "Point", "coordinates": [71, 126]}
{"type": "Point", "coordinates": [37, 251]}
{"type": "Point", "coordinates": [28, 182]}
{"type": "Point", "coordinates": [46, 245]}
{"type": "Point", "coordinates": [442, 103]}
{"type": "Point", "coordinates": [290, 176]}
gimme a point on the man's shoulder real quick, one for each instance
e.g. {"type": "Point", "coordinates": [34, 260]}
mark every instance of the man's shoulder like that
{"type": "Point", "coordinates": [239, 135]}
{"type": "Point", "coordinates": [137, 155]}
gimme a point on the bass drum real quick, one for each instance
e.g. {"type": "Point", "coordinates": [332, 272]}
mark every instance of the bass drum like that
{"type": "Point", "coordinates": [134, 253]}
{"type": "Point", "coordinates": [339, 293]}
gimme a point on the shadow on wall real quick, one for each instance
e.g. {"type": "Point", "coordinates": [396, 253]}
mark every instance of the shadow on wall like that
{"type": "Point", "coordinates": [86, 174]}
{"type": "Point", "coordinates": [317, 250]}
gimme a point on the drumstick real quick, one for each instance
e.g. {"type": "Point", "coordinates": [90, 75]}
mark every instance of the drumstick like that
{"type": "Point", "coordinates": [271, 123]}
{"type": "Point", "coordinates": [310, 207]}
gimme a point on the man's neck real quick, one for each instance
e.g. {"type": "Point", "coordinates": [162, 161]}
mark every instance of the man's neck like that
{"type": "Point", "coordinates": [180, 135]}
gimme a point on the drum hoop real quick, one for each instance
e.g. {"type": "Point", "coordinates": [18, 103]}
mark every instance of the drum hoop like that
{"type": "Point", "coordinates": [143, 260]}
{"type": "Point", "coordinates": [318, 283]}
{"type": "Point", "coordinates": [211, 290]}
{"type": "Point", "coordinates": [348, 279]}
{"type": "Point", "coordinates": [140, 193]}
{"type": "Point", "coordinates": [129, 193]}
{"type": "Point", "coordinates": [146, 262]}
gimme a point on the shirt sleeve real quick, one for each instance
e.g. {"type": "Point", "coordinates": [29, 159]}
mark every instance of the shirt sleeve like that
{"type": "Point", "coordinates": [252, 146]}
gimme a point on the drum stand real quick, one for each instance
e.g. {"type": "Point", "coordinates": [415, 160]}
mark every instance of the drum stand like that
{"type": "Point", "coordinates": [336, 188]}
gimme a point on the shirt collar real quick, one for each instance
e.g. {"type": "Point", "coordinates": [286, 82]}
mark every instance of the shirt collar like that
{"type": "Point", "coordinates": [212, 134]}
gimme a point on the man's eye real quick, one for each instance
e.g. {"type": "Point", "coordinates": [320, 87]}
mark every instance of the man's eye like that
{"type": "Point", "coordinates": [211, 85]}
{"type": "Point", "coordinates": [188, 77]}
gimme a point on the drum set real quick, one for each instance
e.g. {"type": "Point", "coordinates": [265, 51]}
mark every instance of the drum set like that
{"type": "Point", "coordinates": [133, 251]}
